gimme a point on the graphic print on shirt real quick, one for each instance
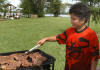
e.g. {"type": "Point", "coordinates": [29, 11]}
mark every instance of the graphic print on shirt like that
{"type": "Point", "coordinates": [74, 50]}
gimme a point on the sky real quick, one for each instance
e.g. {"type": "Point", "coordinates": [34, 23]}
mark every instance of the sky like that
{"type": "Point", "coordinates": [17, 2]}
{"type": "Point", "coordinates": [14, 2]}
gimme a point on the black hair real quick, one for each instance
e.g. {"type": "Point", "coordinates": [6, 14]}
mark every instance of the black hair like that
{"type": "Point", "coordinates": [81, 11]}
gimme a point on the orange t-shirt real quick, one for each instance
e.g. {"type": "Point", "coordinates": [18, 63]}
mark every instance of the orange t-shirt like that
{"type": "Point", "coordinates": [81, 48]}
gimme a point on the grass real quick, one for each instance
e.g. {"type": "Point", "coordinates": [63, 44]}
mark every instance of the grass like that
{"type": "Point", "coordinates": [22, 34]}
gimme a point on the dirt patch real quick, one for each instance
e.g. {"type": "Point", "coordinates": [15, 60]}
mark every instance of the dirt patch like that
{"type": "Point", "coordinates": [1, 19]}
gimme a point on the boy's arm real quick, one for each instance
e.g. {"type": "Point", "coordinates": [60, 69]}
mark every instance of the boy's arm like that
{"type": "Point", "coordinates": [50, 39]}
{"type": "Point", "coordinates": [94, 64]}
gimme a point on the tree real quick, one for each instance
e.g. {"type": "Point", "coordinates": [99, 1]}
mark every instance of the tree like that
{"type": "Point", "coordinates": [25, 5]}
{"type": "Point", "coordinates": [1, 4]}
{"type": "Point", "coordinates": [63, 7]}
{"type": "Point", "coordinates": [2, 7]}
{"type": "Point", "coordinates": [5, 6]}
{"type": "Point", "coordinates": [95, 9]}
{"type": "Point", "coordinates": [33, 7]}
{"type": "Point", "coordinates": [55, 7]}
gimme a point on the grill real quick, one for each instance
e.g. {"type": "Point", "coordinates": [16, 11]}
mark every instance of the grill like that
{"type": "Point", "coordinates": [46, 65]}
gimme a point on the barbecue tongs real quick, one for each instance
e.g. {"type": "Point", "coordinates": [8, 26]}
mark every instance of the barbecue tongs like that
{"type": "Point", "coordinates": [35, 47]}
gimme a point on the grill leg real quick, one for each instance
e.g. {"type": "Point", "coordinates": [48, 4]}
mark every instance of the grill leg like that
{"type": "Point", "coordinates": [46, 67]}
{"type": "Point", "coordinates": [53, 66]}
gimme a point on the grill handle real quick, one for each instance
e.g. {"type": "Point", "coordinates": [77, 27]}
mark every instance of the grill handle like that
{"type": "Point", "coordinates": [35, 47]}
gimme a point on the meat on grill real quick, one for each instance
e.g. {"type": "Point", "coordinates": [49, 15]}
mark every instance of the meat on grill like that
{"type": "Point", "coordinates": [14, 61]}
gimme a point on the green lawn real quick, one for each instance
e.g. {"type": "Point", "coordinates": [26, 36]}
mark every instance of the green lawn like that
{"type": "Point", "coordinates": [22, 34]}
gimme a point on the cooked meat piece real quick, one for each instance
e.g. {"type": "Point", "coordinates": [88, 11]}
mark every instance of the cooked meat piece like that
{"type": "Point", "coordinates": [18, 56]}
{"type": "Point", "coordinates": [15, 56]}
{"type": "Point", "coordinates": [37, 59]}
{"type": "Point", "coordinates": [14, 61]}
{"type": "Point", "coordinates": [25, 63]}
{"type": "Point", "coordinates": [10, 66]}
{"type": "Point", "coordinates": [4, 59]}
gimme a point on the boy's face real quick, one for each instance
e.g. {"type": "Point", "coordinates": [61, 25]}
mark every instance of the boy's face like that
{"type": "Point", "coordinates": [76, 22]}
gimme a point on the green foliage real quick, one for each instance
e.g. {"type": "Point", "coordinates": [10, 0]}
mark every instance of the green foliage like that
{"type": "Point", "coordinates": [55, 7]}
{"type": "Point", "coordinates": [63, 8]}
{"type": "Point", "coordinates": [1, 5]}
{"type": "Point", "coordinates": [95, 9]}
{"type": "Point", "coordinates": [33, 7]}
{"type": "Point", "coordinates": [96, 14]}
{"type": "Point", "coordinates": [25, 4]}
{"type": "Point", "coordinates": [1, 1]}
{"type": "Point", "coordinates": [5, 10]}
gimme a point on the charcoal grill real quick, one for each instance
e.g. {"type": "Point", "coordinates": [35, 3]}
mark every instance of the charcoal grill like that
{"type": "Point", "coordinates": [46, 65]}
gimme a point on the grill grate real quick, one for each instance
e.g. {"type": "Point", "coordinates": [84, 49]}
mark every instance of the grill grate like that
{"type": "Point", "coordinates": [30, 68]}
{"type": "Point", "coordinates": [47, 65]}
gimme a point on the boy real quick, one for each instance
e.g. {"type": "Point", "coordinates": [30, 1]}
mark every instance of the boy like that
{"type": "Point", "coordinates": [82, 46]}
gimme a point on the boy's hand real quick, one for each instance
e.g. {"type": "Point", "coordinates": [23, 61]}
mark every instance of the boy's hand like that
{"type": "Point", "coordinates": [42, 41]}
{"type": "Point", "coordinates": [50, 39]}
